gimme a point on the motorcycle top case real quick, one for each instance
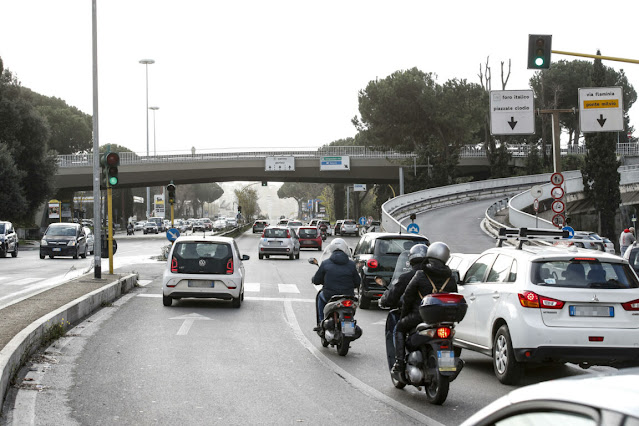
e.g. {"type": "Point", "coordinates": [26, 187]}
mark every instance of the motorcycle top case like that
{"type": "Point", "coordinates": [443, 307]}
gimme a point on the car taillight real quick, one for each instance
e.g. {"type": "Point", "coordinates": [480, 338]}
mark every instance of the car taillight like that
{"type": "Point", "coordinates": [443, 332]}
{"type": "Point", "coordinates": [229, 266]}
{"type": "Point", "coordinates": [174, 265]}
{"type": "Point", "coordinates": [263, 234]}
{"type": "Point", "coordinates": [372, 263]}
{"type": "Point", "coordinates": [532, 300]}
{"type": "Point", "coordinates": [288, 234]}
{"type": "Point", "coordinates": [633, 305]}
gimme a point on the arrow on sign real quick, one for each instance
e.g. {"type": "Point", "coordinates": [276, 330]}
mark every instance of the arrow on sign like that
{"type": "Point", "coordinates": [601, 120]}
{"type": "Point", "coordinates": [188, 322]}
{"type": "Point", "coordinates": [512, 123]}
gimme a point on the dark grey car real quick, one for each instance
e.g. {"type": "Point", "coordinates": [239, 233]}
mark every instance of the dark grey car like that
{"type": "Point", "coordinates": [64, 239]}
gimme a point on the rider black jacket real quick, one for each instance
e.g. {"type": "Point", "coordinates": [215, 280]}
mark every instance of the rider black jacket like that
{"type": "Point", "coordinates": [393, 294]}
{"type": "Point", "coordinates": [420, 285]}
{"type": "Point", "coordinates": [338, 274]}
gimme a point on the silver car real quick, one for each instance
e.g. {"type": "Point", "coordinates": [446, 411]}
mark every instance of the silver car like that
{"type": "Point", "coordinates": [279, 240]}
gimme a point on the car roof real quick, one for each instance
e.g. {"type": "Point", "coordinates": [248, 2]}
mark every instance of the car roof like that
{"type": "Point", "coordinates": [207, 238]}
{"type": "Point", "coordinates": [556, 252]}
{"type": "Point", "coordinates": [64, 224]}
{"type": "Point", "coordinates": [394, 235]}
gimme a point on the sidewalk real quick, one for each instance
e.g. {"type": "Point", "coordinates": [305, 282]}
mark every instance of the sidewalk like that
{"type": "Point", "coordinates": [26, 324]}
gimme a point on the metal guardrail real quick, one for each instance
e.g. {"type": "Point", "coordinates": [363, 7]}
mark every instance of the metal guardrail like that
{"type": "Point", "coordinates": [126, 158]}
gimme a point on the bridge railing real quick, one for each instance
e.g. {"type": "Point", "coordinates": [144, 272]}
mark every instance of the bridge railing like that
{"type": "Point", "coordinates": [83, 160]}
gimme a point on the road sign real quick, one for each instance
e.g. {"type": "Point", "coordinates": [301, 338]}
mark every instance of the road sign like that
{"type": "Point", "coordinates": [512, 112]}
{"type": "Point", "coordinates": [172, 234]}
{"type": "Point", "coordinates": [601, 109]}
{"type": "Point", "coordinates": [557, 179]}
{"type": "Point", "coordinates": [279, 164]}
{"type": "Point", "coordinates": [536, 204]}
{"type": "Point", "coordinates": [558, 206]}
{"type": "Point", "coordinates": [536, 191]}
{"type": "Point", "coordinates": [412, 228]}
{"type": "Point", "coordinates": [362, 220]}
{"type": "Point", "coordinates": [571, 231]}
{"type": "Point", "coordinates": [359, 187]}
{"type": "Point", "coordinates": [557, 192]}
{"type": "Point", "coordinates": [559, 220]}
{"type": "Point", "coordinates": [335, 163]}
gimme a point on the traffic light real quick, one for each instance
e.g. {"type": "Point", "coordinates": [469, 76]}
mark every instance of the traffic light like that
{"type": "Point", "coordinates": [170, 190]}
{"type": "Point", "coordinates": [109, 164]}
{"type": "Point", "coordinates": [239, 209]}
{"type": "Point", "coordinates": [539, 47]}
{"type": "Point", "coordinates": [264, 183]}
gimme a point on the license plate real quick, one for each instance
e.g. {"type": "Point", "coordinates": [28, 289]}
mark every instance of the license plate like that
{"type": "Point", "coordinates": [275, 243]}
{"type": "Point", "coordinates": [591, 311]}
{"type": "Point", "coordinates": [348, 328]}
{"type": "Point", "coordinates": [201, 284]}
{"type": "Point", "coordinates": [57, 249]}
{"type": "Point", "coordinates": [446, 361]}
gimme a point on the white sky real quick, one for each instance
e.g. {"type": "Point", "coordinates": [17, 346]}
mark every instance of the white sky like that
{"type": "Point", "coordinates": [280, 73]}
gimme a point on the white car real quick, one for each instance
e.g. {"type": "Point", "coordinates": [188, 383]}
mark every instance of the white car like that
{"type": "Point", "coordinates": [549, 305]}
{"type": "Point", "coordinates": [219, 224]}
{"type": "Point", "coordinates": [279, 240]}
{"type": "Point", "coordinates": [204, 267]}
{"type": "Point", "coordinates": [349, 227]}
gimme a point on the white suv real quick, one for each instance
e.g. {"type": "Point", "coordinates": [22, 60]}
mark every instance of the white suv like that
{"type": "Point", "coordinates": [531, 304]}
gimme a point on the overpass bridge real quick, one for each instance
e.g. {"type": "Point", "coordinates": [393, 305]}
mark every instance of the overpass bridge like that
{"type": "Point", "coordinates": [366, 165]}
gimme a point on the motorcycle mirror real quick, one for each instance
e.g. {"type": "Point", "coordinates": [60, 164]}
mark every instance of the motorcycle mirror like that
{"type": "Point", "coordinates": [381, 281]}
{"type": "Point", "coordinates": [312, 261]}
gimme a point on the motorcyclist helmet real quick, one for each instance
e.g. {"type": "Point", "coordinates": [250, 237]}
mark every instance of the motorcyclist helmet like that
{"type": "Point", "coordinates": [338, 244]}
{"type": "Point", "coordinates": [439, 251]}
{"type": "Point", "coordinates": [417, 253]}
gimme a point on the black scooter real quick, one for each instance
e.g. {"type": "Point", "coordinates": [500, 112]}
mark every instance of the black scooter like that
{"type": "Point", "coordinates": [339, 326]}
{"type": "Point", "coordinates": [323, 232]}
{"type": "Point", "coordinates": [430, 359]}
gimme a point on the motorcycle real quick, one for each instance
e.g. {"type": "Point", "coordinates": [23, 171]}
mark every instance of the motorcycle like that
{"type": "Point", "coordinates": [130, 230]}
{"type": "Point", "coordinates": [339, 326]}
{"type": "Point", "coordinates": [323, 232]}
{"type": "Point", "coordinates": [430, 359]}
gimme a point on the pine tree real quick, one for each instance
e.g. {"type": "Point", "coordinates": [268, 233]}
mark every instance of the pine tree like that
{"type": "Point", "coordinates": [600, 175]}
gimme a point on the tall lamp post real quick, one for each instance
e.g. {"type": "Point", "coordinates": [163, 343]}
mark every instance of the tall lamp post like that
{"type": "Point", "coordinates": [154, 108]}
{"type": "Point", "coordinates": [146, 63]}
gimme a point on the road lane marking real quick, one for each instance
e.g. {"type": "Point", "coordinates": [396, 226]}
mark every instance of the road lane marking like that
{"type": "Point", "coordinates": [288, 288]}
{"type": "Point", "coordinates": [144, 283]}
{"type": "Point", "coordinates": [350, 379]}
{"type": "Point", "coordinates": [24, 281]}
{"type": "Point", "coordinates": [188, 322]}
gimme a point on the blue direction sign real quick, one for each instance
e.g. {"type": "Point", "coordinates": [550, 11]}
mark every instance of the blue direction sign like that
{"type": "Point", "coordinates": [571, 231]}
{"type": "Point", "coordinates": [172, 234]}
{"type": "Point", "coordinates": [412, 228]}
{"type": "Point", "coordinates": [362, 220]}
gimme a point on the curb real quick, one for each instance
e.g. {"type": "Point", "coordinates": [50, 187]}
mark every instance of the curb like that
{"type": "Point", "coordinates": [29, 340]}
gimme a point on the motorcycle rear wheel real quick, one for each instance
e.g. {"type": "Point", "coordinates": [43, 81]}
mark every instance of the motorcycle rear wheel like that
{"type": "Point", "coordinates": [342, 347]}
{"type": "Point", "coordinates": [437, 389]}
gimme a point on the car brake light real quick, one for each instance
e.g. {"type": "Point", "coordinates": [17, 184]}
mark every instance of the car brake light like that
{"type": "Point", "coordinates": [372, 263]}
{"type": "Point", "coordinates": [229, 266]}
{"type": "Point", "coordinates": [532, 300]}
{"type": "Point", "coordinates": [263, 234]}
{"type": "Point", "coordinates": [288, 234]}
{"type": "Point", "coordinates": [443, 332]}
{"type": "Point", "coordinates": [587, 259]}
{"type": "Point", "coordinates": [633, 305]}
{"type": "Point", "coordinates": [174, 265]}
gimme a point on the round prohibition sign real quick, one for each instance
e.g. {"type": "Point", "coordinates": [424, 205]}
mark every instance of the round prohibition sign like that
{"type": "Point", "coordinates": [557, 179]}
{"type": "Point", "coordinates": [558, 206]}
{"type": "Point", "coordinates": [559, 220]}
{"type": "Point", "coordinates": [557, 192]}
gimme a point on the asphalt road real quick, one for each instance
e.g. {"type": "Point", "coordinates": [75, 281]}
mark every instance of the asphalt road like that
{"type": "Point", "coordinates": [202, 362]}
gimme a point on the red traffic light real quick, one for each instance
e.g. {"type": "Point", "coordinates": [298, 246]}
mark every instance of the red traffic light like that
{"type": "Point", "coordinates": [113, 159]}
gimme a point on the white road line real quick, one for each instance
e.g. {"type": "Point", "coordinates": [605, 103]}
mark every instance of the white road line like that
{"type": "Point", "coordinates": [288, 288]}
{"type": "Point", "coordinates": [144, 283]}
{"type": "Point", "coordinates": [352, 380]}
{"type": "Point", "coordinates": [149, 295]}
{"type": "Point", "coordinates": [24, 281]}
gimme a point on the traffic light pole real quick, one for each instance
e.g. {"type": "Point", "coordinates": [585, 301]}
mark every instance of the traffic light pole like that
{"type": "Point", "coordinates": [110, 226]}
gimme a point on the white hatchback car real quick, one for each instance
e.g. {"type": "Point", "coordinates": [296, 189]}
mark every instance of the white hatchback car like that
{"type": "Point", "coordinates": [279, 240]}
{"type": "Point", "coordinates": [204, 267]}
{"type": "Point", "coordinates": [550, 304]}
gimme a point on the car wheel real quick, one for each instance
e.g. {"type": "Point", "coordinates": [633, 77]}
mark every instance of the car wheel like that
{"type": "Point", "coordinates": [41, 256]}
{"type": "Point", "coordinates": [319, 248]}
{"type": "Point", "coordinates": [260, 256]}
{"type": "Point", "coordinates": [297, 256]}
{"type": "Point", "coordinates": [236, 303]}
{"type": "Point", "coordinates": [15, 252]}
{"type": "Point", "coordinates": [268, 256]}
{"type": "Point", "coordinates": [51, 256]}
{"type": "Point", "coordinates": [364, 302]}
{"type": "Point", "coordinates": [167, 300]}
{"type": "Point", "coordinates": [77, 253]}
{"type": "Point", "coordinates": [291, 256]}
{"type": "Point", "coordinates": [84, 255]}
{"type": "Point", "coordinates": [507, 369]}
{"type": "Point", "coordinates": [3, 253]}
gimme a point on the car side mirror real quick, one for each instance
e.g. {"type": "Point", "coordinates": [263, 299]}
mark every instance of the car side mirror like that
{"type": "Point", "coordinates": [245, 257]}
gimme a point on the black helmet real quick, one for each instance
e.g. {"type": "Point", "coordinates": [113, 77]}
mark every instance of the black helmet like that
{"type": "Point", "coordinates": [439, 251]}
{"type": "Point", "coordinates": [417, 253]}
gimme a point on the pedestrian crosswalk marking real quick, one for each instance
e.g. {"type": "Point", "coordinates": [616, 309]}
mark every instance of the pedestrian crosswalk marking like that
{"type": "Point", "coordinates": [288, 288]}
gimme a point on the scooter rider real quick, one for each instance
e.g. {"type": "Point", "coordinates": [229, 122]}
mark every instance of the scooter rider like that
{"type": "Point", "coordinates": [433, 277]}
{"type": "Point", "coordinates": [392, 296]}
{"type": "Point", "coordinates": [338, 274]}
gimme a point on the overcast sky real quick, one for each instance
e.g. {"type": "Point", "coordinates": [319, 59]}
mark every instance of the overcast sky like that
{"type": "Point", "coordinates": [269, 74]}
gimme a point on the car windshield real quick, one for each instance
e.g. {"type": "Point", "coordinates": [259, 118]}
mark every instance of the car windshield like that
{"type": "Point", "coordinates": [61, 231]}
{"type": "Point", "coordinates": [275, 233]}
{"type": "Point", "coordinates": [202, 257]}
{"type": "Point", "coordinates": [633, 258]}
{"type": "Point", "coordinates": [583, 273]}
{"type": "Point", "coordinates": [1, 228]}
{"type": "Point", "coordinates": [349, 222]}
{"type": "Point", "coordinates": [308, 232]}
{"type": "Point", "coordinates": [292, 223]}
{"type": "Point", "coordinates": [388, 250]}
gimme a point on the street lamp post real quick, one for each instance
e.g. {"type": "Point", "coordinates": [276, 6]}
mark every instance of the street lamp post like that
{"type": "Point", "coordinates": [154, 108]}
{"type": "Point", "coordinates": [146, 63]}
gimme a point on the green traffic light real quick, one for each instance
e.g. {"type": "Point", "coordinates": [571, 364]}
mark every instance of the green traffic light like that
{"type": "Point", "coordinates": [539, 62]}
{"type": "Point", "coordinates": [113, 181]}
